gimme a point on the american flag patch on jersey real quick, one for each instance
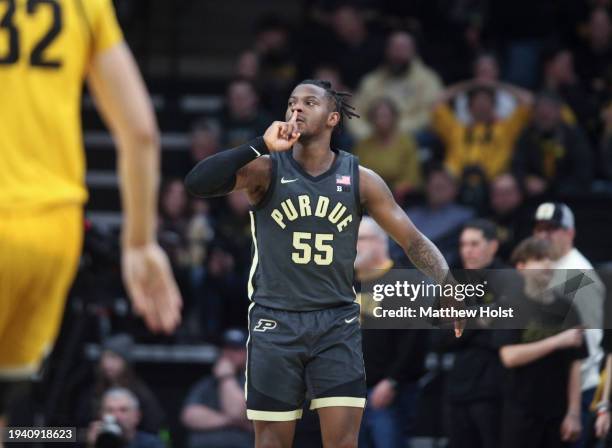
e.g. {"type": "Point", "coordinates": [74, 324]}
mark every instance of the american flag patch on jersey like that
{"type": "Point", "coordinates": [343, 183]}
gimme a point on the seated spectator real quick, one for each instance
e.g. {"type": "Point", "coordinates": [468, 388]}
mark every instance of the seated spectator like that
{"type": "Point", "coordinates": [215, 409]}
{"type": "Point", "coordinates": [205, 140]}
{"type": "Point", "coordinates": [606, 143]}
{"type": "Point", "coordinates": [277, 64]}
{"type": "Point", "coordinates": [394, 359]}
{"type": "Point", "coordinates": [118, 423]}
{"type": "Point", "coordinates": [115, 371]}
{"type": "Point", "coordinates": [486, 70]}
{"type": "Point", "coordinates": [594, 56]}
{"type": "Point", "coordinates": [441, 218]}
{"type": "Point", "coordinates": [391, 154]}
{"type": "Point", "coordinates": [242, 119]}
{"type": "Point", "coordinates": [404, 78]}
{"type": "Point", "coordinates": [247, 66]}
{"type": "Point", "coordinates": [341, 138]}
{"type": "Point", "coordinates": [354, 49]}
{"type": "Point", "coordinates": [173, 220]}
{"type": "Point", "coordinates": [508, 212]}
{"type": "Point", "coordinates": [560, 77]}
{"type": "Point", "coordinates": [550, 156]}
{"type": "Point", "coordinates": [487, 143]}
{"type": "Point", "coordinates": [541, 360]}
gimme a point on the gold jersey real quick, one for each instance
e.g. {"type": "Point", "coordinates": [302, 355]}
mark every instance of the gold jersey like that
{"type": "Point", "coordinates": [46, 47]}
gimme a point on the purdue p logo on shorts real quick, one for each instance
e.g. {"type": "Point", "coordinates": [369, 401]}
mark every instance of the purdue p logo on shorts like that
{"type": "Point", "coordinates": [265, 325]}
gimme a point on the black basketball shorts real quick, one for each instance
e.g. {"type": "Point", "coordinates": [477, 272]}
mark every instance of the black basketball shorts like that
{"type": "Point", "coordinates": [291, 352]}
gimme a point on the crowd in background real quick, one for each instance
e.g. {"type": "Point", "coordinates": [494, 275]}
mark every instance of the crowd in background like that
{"type": "Point", "coordinates": [469, 109]}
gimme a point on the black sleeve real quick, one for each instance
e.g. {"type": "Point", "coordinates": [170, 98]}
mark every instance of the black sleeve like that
{"type": "Point", "coordinates": [216, 175]}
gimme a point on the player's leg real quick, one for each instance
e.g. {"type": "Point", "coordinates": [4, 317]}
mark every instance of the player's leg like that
{"type": "Point", "coordinates": [340, 426]}
{"type": "Point", "coordinates": [274, 434]}
{"type": "Point", "coordinates": [335, 375]}
{"type": "Point", "coordinates": [37, 266]}
{"type": "Point", "coordinates": [275, 385]}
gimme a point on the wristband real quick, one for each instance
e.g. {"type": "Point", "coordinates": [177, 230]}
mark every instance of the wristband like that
{"type": "Point", "coordinates": [258, 145]}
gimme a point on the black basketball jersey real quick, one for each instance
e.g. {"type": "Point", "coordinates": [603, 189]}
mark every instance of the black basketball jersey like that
{"type": "Point", "coordinates": [305, 236]}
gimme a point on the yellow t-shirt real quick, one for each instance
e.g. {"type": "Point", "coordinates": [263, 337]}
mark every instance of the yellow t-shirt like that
{"type": "Point", "coordinates": [46, 47]}
{"type": "Point", "coordinates": [487, 146]}
{"type": "Point", "coordinates": [398, 164]}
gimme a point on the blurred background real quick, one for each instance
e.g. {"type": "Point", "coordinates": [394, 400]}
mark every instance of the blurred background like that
{"type": "Point", "coordinates": [529, 121]}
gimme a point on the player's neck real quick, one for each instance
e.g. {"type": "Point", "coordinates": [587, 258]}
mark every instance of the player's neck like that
{"type": "Point", "coordinates": [315, 156]}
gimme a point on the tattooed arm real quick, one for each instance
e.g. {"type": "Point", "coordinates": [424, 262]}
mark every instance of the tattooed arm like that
{"type": "Point", "coordinates": [377, 199]}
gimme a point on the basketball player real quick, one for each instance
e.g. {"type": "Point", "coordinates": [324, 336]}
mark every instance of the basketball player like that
{"type": "Point", "coordinates": [307, 203]}
{"type": "Point", "coordinates": [47, 49]}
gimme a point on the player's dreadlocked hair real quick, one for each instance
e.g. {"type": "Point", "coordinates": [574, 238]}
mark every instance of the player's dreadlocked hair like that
{"type": "Point", "coordinates": [340, 99]}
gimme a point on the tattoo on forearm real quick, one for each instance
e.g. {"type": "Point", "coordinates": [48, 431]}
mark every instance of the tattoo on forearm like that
{"type": "Point", "coordinates": [427, 258]}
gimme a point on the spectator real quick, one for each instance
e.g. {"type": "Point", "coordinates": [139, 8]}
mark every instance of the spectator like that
{"type": "Point", "coordinates": [560, 77]}
{"type": "Point", "coordinates": [441, 218]}
{"type": "Point", "coordinates": [404, 78]}
{"type": "Point", "coordinates": [474, 382]}
{"type": "Point", "coordinates": [595, 56]}
{"type": "Point", "coordinates": [507, 211]}
{"type": "Point", "coordinates": [486, 70]}
{"type": "Point", "coordinates": [602, 422]}
{"type": "Point", "coordinates": [215, 409]}
{"type": "Point", "coordinates": [242, 120]}
{"type": "Point", "coordinates": [115, 371]}
{"type": "Point", "coordinates": [173, 222]}
{"type": "Point", "coordinates": [542, 359]}
{"type": "Point", "coordinates": [118, 424]}
{"type": "Point", "coordinates": [606, 143]}
{"type": "Point", "coordinates": [389, 153]}
{"type": "Point", "coordinates": [394, 359]}
{"type": "Point", "coordinates": [554, 222]}
{"type": "Point", "coordinates": [277, 65]}
{"type": "Point", "coordinates": [551, 156]}
{"type": "Point", "coordinates": [247, 66]}
{"type": "Point", "coordinates": [341, 138]}
{"type": "Point", "coordinates": [487, 143]}
{"type": "Point", "coordinates": [353, 48]}
{"type": "Point", "coordinates": [205, 140]}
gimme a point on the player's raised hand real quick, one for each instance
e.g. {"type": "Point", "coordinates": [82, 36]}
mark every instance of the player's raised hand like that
{"type": "Point", "coordinates": [150, 284]}
{"type": "Point", "coordinates": [281, 136]}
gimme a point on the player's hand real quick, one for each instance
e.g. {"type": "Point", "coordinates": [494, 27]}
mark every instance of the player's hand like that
{"type": "Point", "coordinates": [150, 284]}
{"type": "Point", "coordinates": [571, 428]}
{"type": "Point", "coordinates": [382, 395]}
{"type": "Point", "coordinates": [281, 136]}
{"type": "Point", "coordinates": [602, 425]}
{"type": "Point", "coordinates": [570, 338]}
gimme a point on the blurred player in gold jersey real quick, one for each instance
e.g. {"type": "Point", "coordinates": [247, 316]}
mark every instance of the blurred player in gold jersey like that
{"type": "Point", "coordinates": [48, 48]}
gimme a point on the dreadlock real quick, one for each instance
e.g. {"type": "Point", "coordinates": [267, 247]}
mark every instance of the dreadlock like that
{"type": "Point", "coordinates": [340, 99]}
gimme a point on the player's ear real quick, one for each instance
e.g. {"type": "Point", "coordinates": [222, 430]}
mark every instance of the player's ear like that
{"type": "Point", "coordinates": [333, 119]}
